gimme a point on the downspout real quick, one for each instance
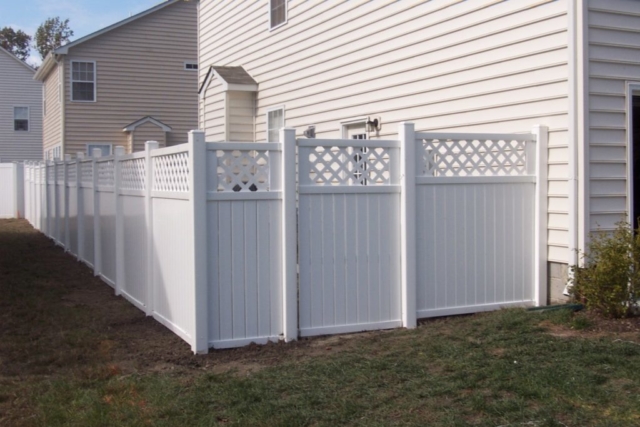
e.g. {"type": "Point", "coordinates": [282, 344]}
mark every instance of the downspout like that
{"type": "Point", "coordinates": [572, 138]}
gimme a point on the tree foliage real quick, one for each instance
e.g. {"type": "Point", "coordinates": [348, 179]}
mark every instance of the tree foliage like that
{"type": "Point", "coordinates": [16, 42]}
{"type": "Point", "coordinates": [52, 34]}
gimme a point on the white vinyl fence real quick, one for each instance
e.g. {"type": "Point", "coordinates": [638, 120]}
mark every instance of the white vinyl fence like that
{"type": "Point", "coordinates": [11, 190]}
{"type": "Point", "coordinates": [228, 243]}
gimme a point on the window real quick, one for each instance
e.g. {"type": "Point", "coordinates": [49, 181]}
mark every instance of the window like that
{"type": "Point", "coordinates": [277, 13]}
{"type": "Point", "coordinates": [191, 66]}
{"type": "Point", "coordinates": [21, 118]}
{"type": "Point", "coordinates": [54, 153]}
{"type": "Point", "coordinates": [275, 122]}
{"type": "Point", "coordinates": [105, 148]}
{"type": "Point", "coordinates": [83, 81]}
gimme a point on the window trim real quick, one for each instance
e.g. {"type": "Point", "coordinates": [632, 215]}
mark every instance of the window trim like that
{"type": "Point", "coordinates": [88, 144]}
{"type": "Point", "coordinates": [284, 121]}
{"type": "Point", "coordinates": [95, 80]}
{"type": "Point", "coordinates": [345, 124]}
{"type": "Point", "coordinates": [191, 62]}
{"type": "Point", "coordinates": [286, 16]}
{"type": "Point", "coordinates": [28, 118]}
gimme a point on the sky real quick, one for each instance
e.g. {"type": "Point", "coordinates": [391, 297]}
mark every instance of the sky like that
{"type": "Point", "coordinates": [85, 16]}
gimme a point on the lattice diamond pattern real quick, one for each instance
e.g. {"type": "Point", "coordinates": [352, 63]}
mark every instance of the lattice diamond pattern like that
{"type": "Point", "coordinates": [86, 172]}
{"type": "Point", "coordinates": [171, 173]}
{"type": "Point", "coordinates": [243, 170]}
{"type": "Point", "coordinates": [105, 173]}
{"type": "Point", "coordinates": [473, 158]}
{"type": "Point", "coordinates": [133, 174]}
{"type": "Point", "coordinates": [350, 166]}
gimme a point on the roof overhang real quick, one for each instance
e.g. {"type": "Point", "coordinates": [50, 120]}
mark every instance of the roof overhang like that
{"type": "Point", "coordinates": [242, 81]}
{"type": "Point", "coordinates": [148, 119]}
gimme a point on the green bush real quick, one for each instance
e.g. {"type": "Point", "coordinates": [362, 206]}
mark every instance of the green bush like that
{"type": "Point", "coordinates": [609, 279]}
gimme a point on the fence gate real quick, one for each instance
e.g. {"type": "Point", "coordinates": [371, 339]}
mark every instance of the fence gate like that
{"type": "Point", "coordinates": [349, 236]}
{"type": "Point", "coordinates": [475, 222]}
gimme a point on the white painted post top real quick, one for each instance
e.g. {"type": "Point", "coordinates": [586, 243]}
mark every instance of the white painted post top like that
{"type": "Point", "coordinates": [151, 145]}
{"type": "Point", "coordinates": [80, 155]}
{"type": "Point", "coordinates": [119, 150]}
{"type": "Point", "coordinates": [96, 153]}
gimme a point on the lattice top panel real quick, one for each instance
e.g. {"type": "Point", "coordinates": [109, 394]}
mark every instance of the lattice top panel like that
{"type": "Point", "coordinates": [473, 157]}
{"type": "Point", "coordinates": [350, 166]}
{"type": "Point", "coordinates": [243, 170]}
{"type": "Point", "coordinates": [134, 174]}
{"type": "Point", "coordinates": [71, 173]}
{"type": "Point", "coordinates": [105, 173]}
{"type": "Point", "coordinates": [86, 172]}
{"type": "Point", "coordinates": [171, 173]}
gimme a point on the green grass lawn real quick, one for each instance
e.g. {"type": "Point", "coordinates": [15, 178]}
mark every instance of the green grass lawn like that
{"type": "Point", "coordinates": [75, 365]}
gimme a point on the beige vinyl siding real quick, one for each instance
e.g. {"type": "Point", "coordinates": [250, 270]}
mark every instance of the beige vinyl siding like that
{"type": "Point", "coordinates": [52, 122]}
{"type": "Point", "coordinates": [241, 108]}
{"type": "Point", "coordinates": [614, 59]}
{"type": "Point", "coordinates": [140, 72]}
{"type": "Point", "coordinates": [147, 132]}
{"type": "Point", "coordinates": [475, 65]}
{"type": "Point", "coordinates": [18, 89]}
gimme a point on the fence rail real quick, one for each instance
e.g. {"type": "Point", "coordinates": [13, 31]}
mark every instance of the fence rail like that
{"type": "Point", "coordinates": [207, 237]}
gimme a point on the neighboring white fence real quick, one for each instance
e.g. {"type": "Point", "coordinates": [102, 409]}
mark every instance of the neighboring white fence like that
{"type": "Point", "coordinates": [206, 237]}
{"type": "Point", "coordinates": [11, 190]}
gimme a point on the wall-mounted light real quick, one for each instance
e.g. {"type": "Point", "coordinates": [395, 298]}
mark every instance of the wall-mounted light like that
{"type": "Point", "coordinates": [374, 124]}
{"type": "Point", "coordinates": [310, 132]}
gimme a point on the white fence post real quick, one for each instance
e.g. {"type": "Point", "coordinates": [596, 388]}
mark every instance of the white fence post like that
{"type": "Point", "coordinates": [540, 240]}
{"type": "Point", "coordinates": [150, 145]}
{"type": "Point", "coordinates": [408, 230]}
{"type": "Point", "coordinates": [56, 202]}
{"type": "Point", "coordinates": [65, 191]}
{"type": "Point", "coordinates": [18, 193]}
{"type": "Point", "coordinates": [289, 236]}
{"type": "Point", "coordinates": [119, 279]}
{"type": "Point", "coordinates": [97, 247]}
{"type": "Point", "coordinates": [198, 200]}
{"type": "Point", "coordinates": [80, 204]}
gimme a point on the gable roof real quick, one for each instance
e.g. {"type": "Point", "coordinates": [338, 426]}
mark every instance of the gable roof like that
{"type": "Point", "coordinates": [233, 78]}
{"type": "Point", "coordinates": [29, 67]}
{"type": "Point", "coordinates": [63, 50]}
{"type": "Point", "coordinates": [132, 126]}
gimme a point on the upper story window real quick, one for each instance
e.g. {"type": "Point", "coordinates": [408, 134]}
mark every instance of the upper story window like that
{"type": "Point", "coordinates": [190, 65]}
{"type": "Point", "coordinates": [83, 81]}
{"type": "Point", "coordinates": [21, 118]}
{"type": "Point", "coordinates": [275, 122]}
{"type": "Point", "coordinates": [277, 13]}
{"type": "Point", "coordinates": [106, 149]}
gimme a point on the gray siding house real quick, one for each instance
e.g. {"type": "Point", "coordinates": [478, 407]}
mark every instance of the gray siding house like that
{"type": "Point", "coordinates": [20, 110]}
{"type": "Point", "coordinates": [455, 66]}
{"type": "Point", "coordinates": [128, 83]}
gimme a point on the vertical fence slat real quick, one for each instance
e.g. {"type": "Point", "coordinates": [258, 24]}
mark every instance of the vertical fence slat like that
{"type": "Point", "coordinates": [120, 249]}
{"type": "Point", "coordinates": [289, 241]}
{"type": "Point", "coordinates": [540, 250]}
{"type": "Point", "coordinates": [149, 146]}
{"type": "Point", "coordinates": [408, 223]}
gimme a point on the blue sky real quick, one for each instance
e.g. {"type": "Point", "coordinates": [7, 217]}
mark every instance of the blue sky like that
{"type": "Point", "coordinates": [85, 16]}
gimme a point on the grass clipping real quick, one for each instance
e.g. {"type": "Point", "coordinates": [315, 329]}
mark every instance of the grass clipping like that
{"type": "Point", "coordinates": [609, 280]}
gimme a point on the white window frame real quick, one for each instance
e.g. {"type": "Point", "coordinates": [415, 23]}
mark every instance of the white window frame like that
{"type": "Point", "coordinates": [284, 119]}
{"type": "Point", "coordinates": [52, 152]}
{"type": "Point", "coordinates": [95, 80]}
{"type": "Point", "coordinates": [286, 16]}
{"type": "Point", "coordinates": [191, 63]}
{"type": "Point", "coordinates": [89, 144]}
{"type": "Point", "coordinates": [28, 118]}
{"type": "Point", "coordinates": [346, 124]}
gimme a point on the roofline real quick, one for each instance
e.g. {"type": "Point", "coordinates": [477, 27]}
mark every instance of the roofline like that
{"type": "Point", "coordinates": [45, 67]}
{"type": "Point", "coordinates": [18, 59]}
{"type": "Point", "coordinates": [132, 126]}
{"type": "Point", "coordinates": [63, 50]}
{"type": "Point", "coordinates": [226, 86]}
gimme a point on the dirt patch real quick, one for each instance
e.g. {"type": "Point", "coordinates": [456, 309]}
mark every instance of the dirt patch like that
{"type": "Point", "coordinates": [587, 324]}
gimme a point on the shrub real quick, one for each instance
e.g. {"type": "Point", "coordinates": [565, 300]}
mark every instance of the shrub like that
{"type": "Point", "coordinates": [609, 279]}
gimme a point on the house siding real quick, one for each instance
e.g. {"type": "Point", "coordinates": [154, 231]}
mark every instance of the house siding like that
{"type": "Point", "coordinates": [52, 121]}
{"type": "Point", "coordinates": [613, 39]}
{"type": "Point", "coordinates": [147, 132]}
{"type": "Point", "coordinates": [18, 89]}
{"type": "Point", "coordinates": [445, 65]}
{"type": "Point", "coordinates": [140, 72]}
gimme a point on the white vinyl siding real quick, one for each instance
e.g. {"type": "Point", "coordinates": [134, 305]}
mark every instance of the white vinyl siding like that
{"type": "Point", "coordinates": [275, 122]}
{"type": "Point", "coordinates": [83, 81]}
{"type": "Point", "coordinates": [475, 65]}
{"type": "Point", "coordinates": [614, 60]}
{"type": "Point", "coordinates": [19, 89]}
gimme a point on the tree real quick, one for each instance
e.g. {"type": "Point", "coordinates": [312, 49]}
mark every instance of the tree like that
{"type": "Point", "coordinates": [52, 34]}
{"type": "Point", "coordinates": [16, 42]}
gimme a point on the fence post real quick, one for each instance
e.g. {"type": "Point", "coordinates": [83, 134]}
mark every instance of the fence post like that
{"type": "Point", "coordinates": [97, 247]}
{"type": "Point", "coordinates": [80, 206]}
{"type": "Point", "coordinates": [65, 188]}
{"type": "Point", "coordinates": [198, 201]}
{"type": "Point", "coordinates": [18, 194]}
{"type": "Point", "coordinates": [540, 241]}
{"type": "Point", "coordinates": [150, 145]}
{"type": "Point", "coordinates": [289, 237]}
{"type": "Point", "coordinates": [56, 202]}
{"type": "Point", "coordinates": [117, 178]}
{"type": "Point", "coordinates": [408, 247]}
